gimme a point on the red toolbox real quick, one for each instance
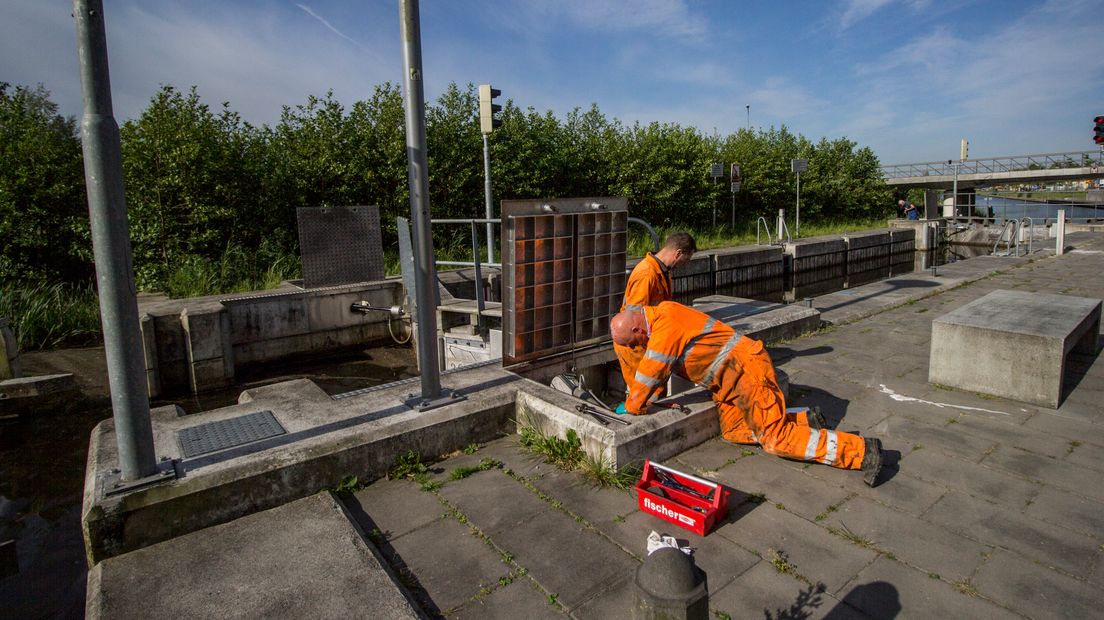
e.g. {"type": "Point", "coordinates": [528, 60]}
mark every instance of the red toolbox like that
{"type": "Point", "coordinates": [688, 501]}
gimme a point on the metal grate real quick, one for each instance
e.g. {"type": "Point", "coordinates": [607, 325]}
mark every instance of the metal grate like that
{"type": "Point", "coordinates": [215, 436]}
{"type": "Point", "coordinates": [564, 269]}
{"type": "Point", "coordinates": [340, 245]}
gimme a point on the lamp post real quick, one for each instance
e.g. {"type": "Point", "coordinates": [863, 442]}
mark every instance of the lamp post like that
{"type": "Point", "coordinates": [748, 106]}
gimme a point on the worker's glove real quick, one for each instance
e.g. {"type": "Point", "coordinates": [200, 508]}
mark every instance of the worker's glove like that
{"type": "Point", "coordinates": [621, 408]}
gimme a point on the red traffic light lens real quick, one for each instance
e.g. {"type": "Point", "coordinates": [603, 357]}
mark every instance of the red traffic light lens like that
{"type": "Point", "coordinates": [1099, 120]}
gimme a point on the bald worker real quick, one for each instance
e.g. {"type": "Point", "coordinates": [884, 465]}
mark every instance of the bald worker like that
{"type": "Point", "coordinates": [739, 373]}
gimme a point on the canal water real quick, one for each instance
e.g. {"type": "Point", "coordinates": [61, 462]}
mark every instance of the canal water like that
{"type": "Point", "coordinates": [1003, 209]}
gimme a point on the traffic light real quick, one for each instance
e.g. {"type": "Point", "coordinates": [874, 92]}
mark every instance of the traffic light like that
{"type": "Point", "coordinates": [1098, 131]}
{"type": "Point", "coordinates": [488, 108]}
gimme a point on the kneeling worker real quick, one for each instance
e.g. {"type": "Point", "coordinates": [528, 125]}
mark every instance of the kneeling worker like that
{"type": "Point", "coordinates": [739, 373]}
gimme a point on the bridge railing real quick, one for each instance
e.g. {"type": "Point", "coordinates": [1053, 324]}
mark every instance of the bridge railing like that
{"type": "Point", "coordinates": [1012, 163]}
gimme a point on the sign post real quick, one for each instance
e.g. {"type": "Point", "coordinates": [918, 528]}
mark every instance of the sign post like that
{"type": "Point", "coordinates": [798, 166]}
{"type": "Point", "coordinates": [734, 177]}
{"type": "Point", "coordinates": [716, 170]}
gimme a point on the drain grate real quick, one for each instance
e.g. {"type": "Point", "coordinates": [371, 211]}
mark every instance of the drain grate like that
{"type": "Point", "coordinates": [215, 436]}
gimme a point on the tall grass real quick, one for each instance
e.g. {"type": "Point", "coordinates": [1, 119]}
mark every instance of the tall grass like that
{"type": "Point", "coordinates": [237, 270]}
{"type": "Point", "coordinates": [48, 316]}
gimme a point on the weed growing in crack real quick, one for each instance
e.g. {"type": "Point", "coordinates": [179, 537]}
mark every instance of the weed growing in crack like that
{"type": "Point", "coordinates": [779, 561]}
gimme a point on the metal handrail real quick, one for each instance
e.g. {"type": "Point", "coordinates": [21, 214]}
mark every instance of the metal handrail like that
{"type": "Point", "coordinates": [1030, 234]}
{"type": "Point", "coordinates": [1011, 226]}
{"type": "Point", "coordinates": [1007, 163]}
{"type": "Point", "coordinates": [651, 231]}
{"type": "Point", "coordinates": [480, 304]}
{"type": "Point", "coordinates": [785, 227]}
{"type": "Point", "coordinates": [759, 225]}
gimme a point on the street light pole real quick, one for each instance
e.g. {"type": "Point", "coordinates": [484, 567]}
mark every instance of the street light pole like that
{"type": "Point", "coordinates": [748, 106]}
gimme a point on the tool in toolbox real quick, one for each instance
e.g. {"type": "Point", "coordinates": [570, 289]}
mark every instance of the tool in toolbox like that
{"type": "Point", "coordinates": [605, 418]}
{"type": "Point", "coordinates": [685, 500]}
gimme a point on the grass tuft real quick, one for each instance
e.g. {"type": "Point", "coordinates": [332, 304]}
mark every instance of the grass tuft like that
{"type": "Point", "coordinates": [49, 316]}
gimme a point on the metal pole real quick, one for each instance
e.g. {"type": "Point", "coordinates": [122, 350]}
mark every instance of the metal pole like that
{"type": "Point", "coordinates": [487, 194]}
{"type": "Point", "coordinates": [425, 276]}
{"type": "Point", "coordinates": [103, 174]}
{"type": "Point", "coordinates": [733, 210]}
{"type": "Point", "coordinates": [954, 193]}
{"type": "Point", "coordinates": [748, 106]}
{"type": "Point", "coordinates": [714, 207]}
{"type": "Point", "coordinates": [797, 213]}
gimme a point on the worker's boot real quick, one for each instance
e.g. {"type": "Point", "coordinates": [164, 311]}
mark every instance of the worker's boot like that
{"type": "Point", "coordinates": [815, 418]}
{"type": "Point", "coordinates": [872, 460]}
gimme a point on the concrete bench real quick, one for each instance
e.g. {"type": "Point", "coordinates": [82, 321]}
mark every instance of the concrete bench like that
{"type": "Point", "coordinates": [1013, 344]}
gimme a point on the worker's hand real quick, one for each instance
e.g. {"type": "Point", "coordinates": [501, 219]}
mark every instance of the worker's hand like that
{"type": "Point", "coordinates": [621, 408]}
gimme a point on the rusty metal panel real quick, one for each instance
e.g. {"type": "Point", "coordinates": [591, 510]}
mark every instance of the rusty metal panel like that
{"type": "Point", "coordinates": [563, 273]}
{"type": "Point", "coordinates": [340, 245]}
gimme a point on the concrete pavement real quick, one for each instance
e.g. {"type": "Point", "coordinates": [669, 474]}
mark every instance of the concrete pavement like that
{"type": "Point", "coordinates": [989, 508]}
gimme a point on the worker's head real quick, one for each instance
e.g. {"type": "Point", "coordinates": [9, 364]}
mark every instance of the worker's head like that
{"type": "Point", "coordinates": [629, 329]}
{"type": "Point", "coordinates": [901, 202]}
{"type": "Point", "coordinates": [678, 250]}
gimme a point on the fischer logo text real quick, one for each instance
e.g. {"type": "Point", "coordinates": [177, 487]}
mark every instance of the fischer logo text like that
{"type": "Point", "coordinates": [667, 512]}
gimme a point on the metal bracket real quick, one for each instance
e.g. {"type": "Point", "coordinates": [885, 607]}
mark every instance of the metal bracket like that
{"type": "Point", "coordinates": [447, 397]}
{"type": "Point", "coordinates": [167, 470]}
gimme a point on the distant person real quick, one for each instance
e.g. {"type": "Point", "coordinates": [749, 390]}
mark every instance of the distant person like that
{"type": "Point", "coordinates": [908, 209]}
{"type": "Point", "coordinates": [649, 284]}
{"type": "Point", "coordinates": [740, 377]}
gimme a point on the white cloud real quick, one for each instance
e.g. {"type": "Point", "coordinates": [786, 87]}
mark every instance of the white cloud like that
{"type": "Point", "coordinates": [858, 10]}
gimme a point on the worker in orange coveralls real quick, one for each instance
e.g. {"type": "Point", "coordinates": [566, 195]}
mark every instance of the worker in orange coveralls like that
{"type": "Point", "coordinates": [649, 284]}
{"type": "Point", "coordinates": [739, 373]}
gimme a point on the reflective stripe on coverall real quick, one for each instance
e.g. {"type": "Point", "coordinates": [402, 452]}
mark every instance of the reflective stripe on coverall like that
{"type": "Point", "coordinates": [649, 284]}
{"type": "Point", "coordinates": [739, 373]}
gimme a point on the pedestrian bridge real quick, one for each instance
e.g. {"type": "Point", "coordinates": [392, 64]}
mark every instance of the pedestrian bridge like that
{"type": "Point", "coordinates": [1043, 168]}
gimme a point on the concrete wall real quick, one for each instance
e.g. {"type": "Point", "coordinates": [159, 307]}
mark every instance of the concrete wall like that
{"type": "Point", "coordinates": [192, 345]}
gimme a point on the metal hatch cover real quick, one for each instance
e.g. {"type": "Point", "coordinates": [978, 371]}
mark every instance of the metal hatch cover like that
{"type": "Point", "coordinates": [229, 433]}
{"type": "Point", "coordinates": [340, 245]}
{"type": "Point", "coordinates": [563, 269]}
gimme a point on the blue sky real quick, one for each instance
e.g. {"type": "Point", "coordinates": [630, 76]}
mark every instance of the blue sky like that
{"type": "Point", "coordinates": [908, 78]}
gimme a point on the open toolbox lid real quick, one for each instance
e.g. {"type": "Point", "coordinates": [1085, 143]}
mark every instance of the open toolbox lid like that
{"type": "Point", "coordinates": [690, 502]}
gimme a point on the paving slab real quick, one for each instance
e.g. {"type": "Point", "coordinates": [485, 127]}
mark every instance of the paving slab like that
{"type": "Point", "coordinates": [916, 542]}
{"type": "Point", "coordinates": [800, 494]}
{"type": "Point", "coordinates": [493, 501]}
{"type": "Point", "coordinates": [447, 561]}
{"type": "Point", "coordinates": [1068, 510]}
{"type": "Point", "coordinates": [1036, 591]}
{"type": "Point", "coordinates": [1049, 470]}
{"type": "Point", "coordinates": [889, 589]}
{"type": "Point", "coordinates": [937, 436]}
{"type": "Point", "coordinates": [990, 524]}
{"type": "Point", "coordinates": [520, 599]}
{"type": "Point", "coordinates": [811, 550]}
{"type": "Point", "coordinates": [996, 486]}
{"type": "Point", "coordinates": [391, 508]}
{"type": "Point", "coordinates": [565, 557]}
{"type": "Point", "coordinates": [764, 592]}
{"type": "Point", "coordinates": [314, 563]}
{"type": "Point", "coordinates": [1010, 434]}
{"type": "Point", "coordinates": [616, 601]}
{"type": "Point", "coordinates": [904, 493]}
{"type": "Point", "coordinates": [597, 505]}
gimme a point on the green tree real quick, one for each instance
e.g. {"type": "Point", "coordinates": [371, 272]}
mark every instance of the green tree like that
{"type": "Point", "coordinates": [43, 212]}
{"type": "Point", "coordinates": [192, 181]}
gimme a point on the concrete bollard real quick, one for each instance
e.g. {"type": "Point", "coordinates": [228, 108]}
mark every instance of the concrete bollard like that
{"type": "Point", "coordinates": [1060, 236]}
{"type": "Point", "coordinates": [669, 585]}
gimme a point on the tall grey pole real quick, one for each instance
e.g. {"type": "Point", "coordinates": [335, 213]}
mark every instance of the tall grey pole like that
{"type": "Point", "coordinates": [103, 174]}
{"type": "Point", "coordinates": [797, 213]}
{"type": "Point", "coordinates": [487, 194]}
{"type": "Point", "coordinates": [425, 276]}
{"type": "Point", "coordinates": [954, 193]}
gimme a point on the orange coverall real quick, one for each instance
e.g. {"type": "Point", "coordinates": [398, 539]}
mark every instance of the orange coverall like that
{"type": "Point", "coordinates": [649, 284]}
{"type": "Point", "coordinates": [739, 373]}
